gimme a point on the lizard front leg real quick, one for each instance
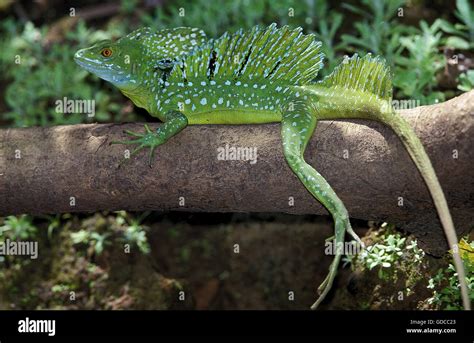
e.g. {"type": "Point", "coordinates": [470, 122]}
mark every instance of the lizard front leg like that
{"type": "Point", "coordinates": [175, 122]}
{"type": "Point", "coordinates": [296, 130]}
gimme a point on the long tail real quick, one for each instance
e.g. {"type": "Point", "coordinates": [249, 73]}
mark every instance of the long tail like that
{"type": "Point", "coordinates": [423, 163]}
{"type": "Point", "coordinates": [363, 88]}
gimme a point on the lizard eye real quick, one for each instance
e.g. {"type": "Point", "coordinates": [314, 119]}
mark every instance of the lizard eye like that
{"type": "Point", "coordinates": [106, 52]}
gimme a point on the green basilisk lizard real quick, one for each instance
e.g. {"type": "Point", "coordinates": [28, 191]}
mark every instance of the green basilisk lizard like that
{"type": "Point", "coordinates": [263, 75]}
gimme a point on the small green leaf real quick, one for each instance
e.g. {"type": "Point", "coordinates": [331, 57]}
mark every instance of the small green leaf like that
{"type": "Point", "coordinates": [457, 43]}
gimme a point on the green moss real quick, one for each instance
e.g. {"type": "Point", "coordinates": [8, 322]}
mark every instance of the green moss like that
{"type": "Point", "coordinates": [392, 256]}
{"type": "Point", "coordinates": [445, 285]}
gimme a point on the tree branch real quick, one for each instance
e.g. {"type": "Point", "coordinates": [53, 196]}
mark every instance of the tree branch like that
{"type": "Point", "coordinates": [73, 169]}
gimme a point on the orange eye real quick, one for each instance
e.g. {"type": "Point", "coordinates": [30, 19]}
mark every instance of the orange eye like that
{"type": "Point", "coordinates": [106, 52]}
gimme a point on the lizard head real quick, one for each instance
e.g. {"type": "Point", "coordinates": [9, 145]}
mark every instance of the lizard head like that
{"type": "Point", "coordinates": [142, 54]}
{"type": "Point", "coordinates": [111, 61]}
{"type": "Point", "coordinates": [138, 63]}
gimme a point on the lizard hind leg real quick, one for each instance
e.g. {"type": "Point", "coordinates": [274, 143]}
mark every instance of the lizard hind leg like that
{"type": "Point", "coordinates": [297, 128]}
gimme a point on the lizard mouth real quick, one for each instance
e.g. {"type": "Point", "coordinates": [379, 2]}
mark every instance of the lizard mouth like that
{"type": "Point", "coordinates": [86, 63]}
{"type": "Point", "coordinates": [100, 69]}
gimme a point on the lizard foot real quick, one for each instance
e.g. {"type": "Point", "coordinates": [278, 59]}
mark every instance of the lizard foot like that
{"type": "Point", "coordinates": [326, 285]}
{"type": "Point", "coordinates": [143, 140]}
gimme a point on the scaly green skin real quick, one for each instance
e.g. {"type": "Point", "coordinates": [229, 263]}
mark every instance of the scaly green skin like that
{"type": "Point", "coordinates": [259, 76]}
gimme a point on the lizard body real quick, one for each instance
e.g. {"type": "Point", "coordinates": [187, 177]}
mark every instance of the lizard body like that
{"type": "Point", "coordinates": [259, 76]}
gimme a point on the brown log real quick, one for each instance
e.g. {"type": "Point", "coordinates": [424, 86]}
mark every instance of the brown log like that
{"type": "Point", "coordinates": [74, 169]}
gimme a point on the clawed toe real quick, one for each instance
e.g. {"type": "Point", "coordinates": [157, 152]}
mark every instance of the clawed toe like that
{"type": "Point", "coordinates": [351, 232]}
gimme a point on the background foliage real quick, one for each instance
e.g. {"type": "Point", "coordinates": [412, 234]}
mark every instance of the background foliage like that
{"type": "Point", "coordinates": [428, 43]}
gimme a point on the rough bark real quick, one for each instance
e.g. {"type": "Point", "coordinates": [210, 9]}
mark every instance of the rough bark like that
{"type": "Point", "coordinates": [364, 162]}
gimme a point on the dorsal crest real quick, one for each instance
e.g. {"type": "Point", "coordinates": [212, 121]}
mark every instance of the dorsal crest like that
{"type": "Point", "coordinates": [366, 74]}
{"type": "Point", "coordinates": [269, 53]}
{"type": "Point", "coordinates": [169, 44]}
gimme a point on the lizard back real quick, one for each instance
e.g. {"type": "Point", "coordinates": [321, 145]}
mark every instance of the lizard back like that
{"type": "Point", "coordinates": [231, 79]}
